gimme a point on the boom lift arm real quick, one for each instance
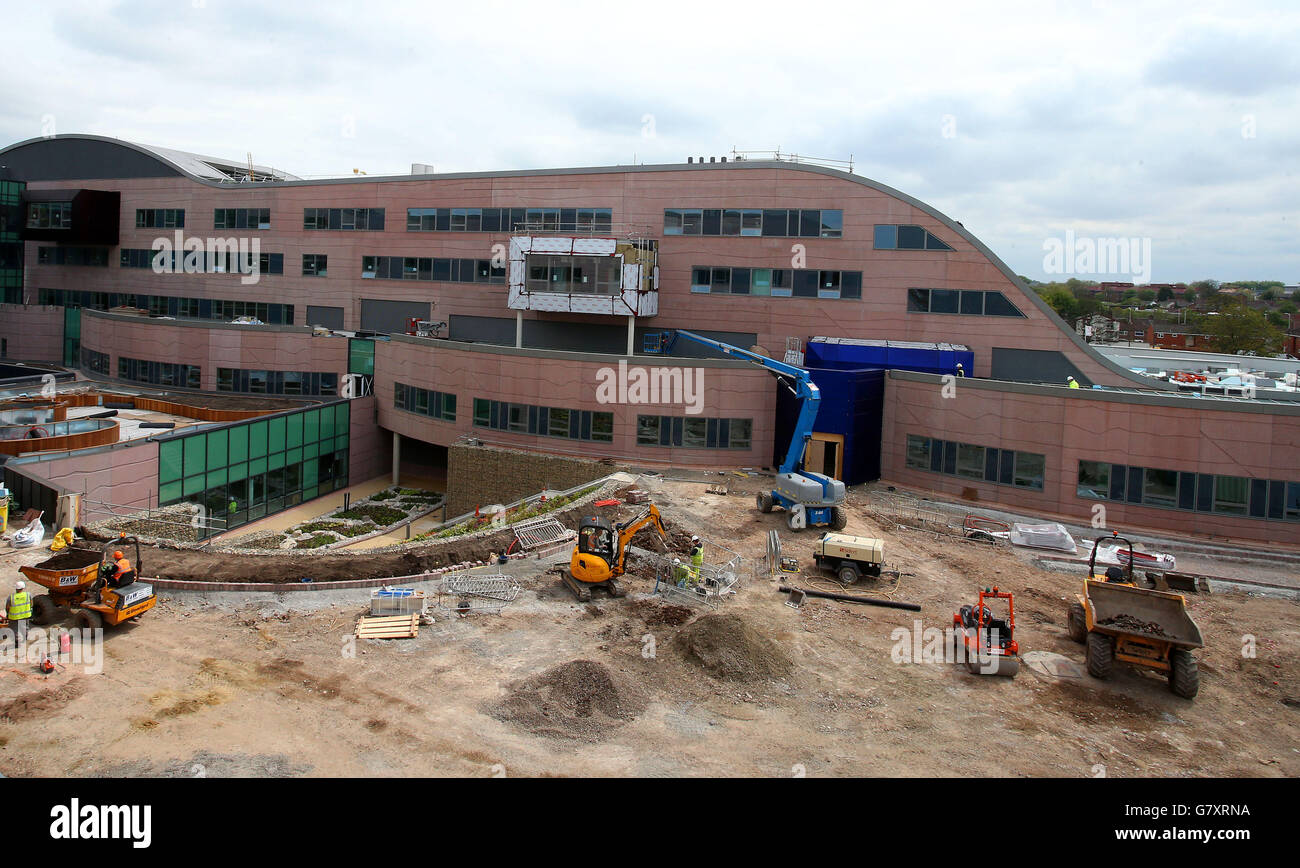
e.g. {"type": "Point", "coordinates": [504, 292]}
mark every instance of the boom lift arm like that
{"type": "Point", "coordinates": [804, 389]}
{"type": "Point", "coordinates": [810, 498]}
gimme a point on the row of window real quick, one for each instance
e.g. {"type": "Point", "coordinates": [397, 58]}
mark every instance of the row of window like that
{"type": "Point", "coordinates": [241, 218]}
{"type": "Point", "coordinates": [983, 463]}
{"type": "Point", "coordinates": [160, 218]}
{"type": "Point", "coordinates": [167, 305]}
{"type": "Point", "coordinates": [901, 237]}
{"type": "Point", "coordinates": [199, 260]}
{"type": "Point", "coordinates": [276, 382]}
{"type": "Point", "coordinates": [438, 405]}
{"type": "Point", "coordinates": [780, 282]}
{"type": "Point", "coordinates": [343, 218]}
{"type": "Point", "coordinates": [584, 220]}
{"type": "Point", "coordinates": [158, 373]}
{"type": "Point", "coordinates": [94, 362]}
{"type": "Point", "coordinates": [49, 215]}
{"type": "Point", "coordinates": [973, 302]}
{"type": "Point", "coordinates": [97, 256]}
{"type": "Point", "coordinates": [1199, 492]}
{"type": "Point", "coordinates": [694, 432]}
{"type": "Point", "coordinates": [770, 222]}
{"type": "Point", "coordinates": [427, 268]}
{"type": "Point", "coordinates": [544, 421]}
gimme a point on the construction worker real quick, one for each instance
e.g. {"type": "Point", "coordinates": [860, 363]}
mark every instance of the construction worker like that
{"type": "Point", "coordinates": [961, 372]}
{"type": "Point", "coordinates": [18, 608]}
{"type": "Point", "coordinates": [681, 575]}
{"type": "Point", "coordinates": [697, 558]}
{"type": "Point", "coordinates": [119, 573]}
{"type": "Point", "coordinates": [1074, 384]}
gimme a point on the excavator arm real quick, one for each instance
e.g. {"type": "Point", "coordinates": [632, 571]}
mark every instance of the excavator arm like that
{"type": "Point", "coordinates": [649, 516]}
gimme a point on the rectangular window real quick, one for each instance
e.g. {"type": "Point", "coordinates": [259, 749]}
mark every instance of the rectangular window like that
{"type": "Point", "coordinates": [1030, 470]}
{"type": "Point", "coordinates": [970, 461]}
{"type": "Point", "coordinates": [943, 300]}
{"type": "Point", "coordinates": [918, 452]}
{"type": "Point", "coordinates": [1231, 494]}
{"type": "Point", "coordinates": [314, 264]}
{"type": "Point", "coordinates": [1160, 488]}
{"type": "Point", "coordinates": [1094, 480]}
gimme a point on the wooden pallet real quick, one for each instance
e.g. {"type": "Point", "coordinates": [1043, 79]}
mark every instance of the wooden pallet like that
{"type": "Point", "coordinates": [389, 627]}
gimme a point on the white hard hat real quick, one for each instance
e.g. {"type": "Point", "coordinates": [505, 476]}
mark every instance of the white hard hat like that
{"type": "Point", "coordinates": [19, 585]}
{"type": "Point", "coordinates": [677, 560]}
{"type": "Point", "coordinates": [695, 539]}
{"type": "Point", "coordinates": [1069, 378]}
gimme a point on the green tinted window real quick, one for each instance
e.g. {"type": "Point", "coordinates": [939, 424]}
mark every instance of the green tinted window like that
{"type": "Point", "coordinates": [293, 430]}
{"type": "Point", "coordinates": [327, 423]}
{"type": "Point", "coordinates": [196, 454]}
{"type": "Point", "coordinates": [218, 448]}
{"type": "Point", "coordinates": [342, 415]}
{"type": "Point", "coordinates": [310, 451]}
{"type": "Point", "coordinates": [309, 474]}
{"type": "Point", "coordinates": [275, 434]}
{"type": "Point", "coordinates": [238, 444]}
{"type": "Point", "coordinates": [361, 356]}
{"type": "Point", "coordinates": [276, 461]}
{"type": "Point", "coordinates": [169, 492]}
{"type": "Point", "coordinates": [257, 439]}
{"type": "Point", "coordinates": [293, 456]}
{"type": "Point", "coordinates": [311, 426]}
{"type": "Point", "coordinates": [169, 460]}
{"type": "Point", "coordinates": [193, 485]}
{"type": "Point", "coordinates": [257, 467]}
{"type": "Point", "coordinates": [238, 471]}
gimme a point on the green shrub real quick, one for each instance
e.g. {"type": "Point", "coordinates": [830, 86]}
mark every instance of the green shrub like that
{"type": "Point", "coordinates": [380, 515]}
{"type": "Point", "coordinates": [320, 539]}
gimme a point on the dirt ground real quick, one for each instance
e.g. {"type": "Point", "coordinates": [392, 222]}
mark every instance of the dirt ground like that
{"type": "Point", "coordinates": [273, 685]}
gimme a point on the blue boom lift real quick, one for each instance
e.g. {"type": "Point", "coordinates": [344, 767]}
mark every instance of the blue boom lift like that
{"type": "Point", "coordinates": [809, 498]}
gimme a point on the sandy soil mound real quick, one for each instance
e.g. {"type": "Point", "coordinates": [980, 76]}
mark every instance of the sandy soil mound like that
{"type": "Point", "coordinates": [37, 703]}
{"type": "Point", "coordinates": [580, 700]}
{"type": "Point", "coordinates": [656, 614]}
{"type": "Point", "coordinates": [726, 647]}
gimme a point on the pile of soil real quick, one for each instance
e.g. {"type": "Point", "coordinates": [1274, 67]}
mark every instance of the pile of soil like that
{"type": "Point", "coordinates": [40, 703]}
{"type": "Point", "coordinates": [655, 614]}
{"type": "Point", "coordinates": [579, 700]}
{"type": "Point", "coordinates": [71, 559]}
{"type": "Point", "coordinates": [728, 648]}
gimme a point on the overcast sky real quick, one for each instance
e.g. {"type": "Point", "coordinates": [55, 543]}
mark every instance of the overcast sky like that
{"type": "Point", "coordinates": [1178, 122]}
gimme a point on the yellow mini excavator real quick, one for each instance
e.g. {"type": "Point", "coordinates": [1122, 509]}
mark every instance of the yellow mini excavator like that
{"type": "Point", "coordinates": [601, 549]}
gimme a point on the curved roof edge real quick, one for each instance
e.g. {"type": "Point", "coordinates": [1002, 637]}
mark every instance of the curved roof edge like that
{"type": "Point", "coordinates": [208, 170]}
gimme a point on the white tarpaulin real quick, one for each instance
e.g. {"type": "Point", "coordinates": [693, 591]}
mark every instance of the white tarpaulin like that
{"type": "Point", "coordinates": [1043, 536]}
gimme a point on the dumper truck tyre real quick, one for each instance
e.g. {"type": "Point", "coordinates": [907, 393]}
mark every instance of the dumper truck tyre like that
{"type": "Point", "coordinates": [1076, 623]}
{"type": "Point", "coordinates": [88, 620]}
{"type": "Point", "coordinates": [44, 611]}
{"type": "Point", "coordinates": [764, 501]}
{"type": "Point", "coordinates": [839, 518]}
{"type": "Point", "coordinates": [1101, 654]}
{"type": "Point", "coordinates": [1184, 673]}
